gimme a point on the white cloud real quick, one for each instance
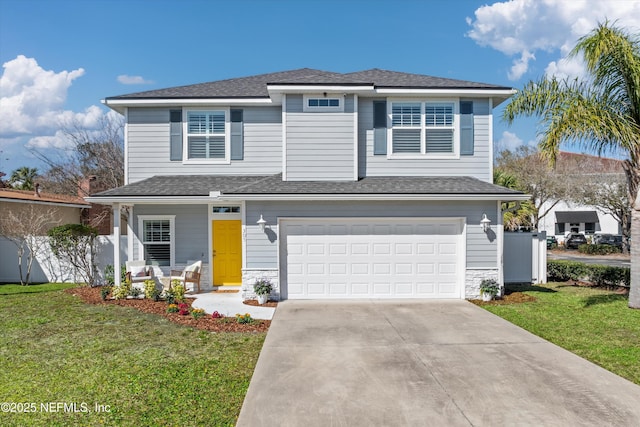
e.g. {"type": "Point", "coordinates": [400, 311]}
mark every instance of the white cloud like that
{"type": "Point", "coordinates": [32, 104]}
{"type": "Point", "coordinates": [524, 27]}
{"type": "Point", "coordinates": [510, 141]}
{"type": "Point", "coordinates": [521, 65]}
{"type": "Point", "coordinates": [133, 80]}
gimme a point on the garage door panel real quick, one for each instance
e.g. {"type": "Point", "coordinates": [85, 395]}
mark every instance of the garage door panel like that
{"type": "Point", "coordinates": [377, 259]}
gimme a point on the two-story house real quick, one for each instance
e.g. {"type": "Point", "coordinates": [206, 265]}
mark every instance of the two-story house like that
{"type": "Point", "coordinates": [372, 184]}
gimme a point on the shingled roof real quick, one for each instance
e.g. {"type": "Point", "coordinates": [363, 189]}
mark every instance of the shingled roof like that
{"type": "Point", "coordinates": [10, 194]}
{"type": "Point", "coordinates": [256, 86]}
{"type": "Point", "coordinates": [273, 185]}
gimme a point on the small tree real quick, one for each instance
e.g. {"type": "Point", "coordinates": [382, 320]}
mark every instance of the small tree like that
{"type": "Point", "coordinates": [25, 229]}
{"type": "Point", "coordinates": [76, 244]}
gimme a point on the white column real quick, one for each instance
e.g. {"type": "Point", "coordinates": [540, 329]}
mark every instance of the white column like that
{"type": "Point", "coordinates": [116, 243]}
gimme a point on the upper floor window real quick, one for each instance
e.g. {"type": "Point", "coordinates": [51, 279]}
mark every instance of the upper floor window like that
{"type": "Point", "coordinates": [423, 128]}
{"type": "Point", "coordinates": [207, 135]}
{"type": "Point", "coordinates": [322, 104]}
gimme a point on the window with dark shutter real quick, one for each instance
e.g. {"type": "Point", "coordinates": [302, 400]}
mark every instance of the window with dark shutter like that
{"type": "Point", "coordinates": [379, 127]}
{"type": "Point", "coordinates": [175, 132]}
{"type": "Point", "coordinates": [466, 128]}
{"type": "Point", "coordinates": [237, 137]}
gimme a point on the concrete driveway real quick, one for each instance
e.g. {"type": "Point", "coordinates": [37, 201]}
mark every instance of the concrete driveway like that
{"type": "Point", "coordinates": [427, 363]}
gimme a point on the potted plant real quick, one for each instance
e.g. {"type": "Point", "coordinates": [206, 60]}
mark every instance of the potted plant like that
{"type": "Point", "coordinates": [262, 288]}
{"type": "Point", "coordinates": [489, 288]}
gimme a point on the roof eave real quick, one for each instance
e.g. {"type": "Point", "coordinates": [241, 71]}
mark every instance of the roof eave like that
{"type": "Point", "coordinates": [119, 104]}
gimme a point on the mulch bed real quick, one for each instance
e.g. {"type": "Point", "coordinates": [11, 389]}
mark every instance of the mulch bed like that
{"type": "Point", "coordinates": [512, 298]}
{"type": "Point", "coordinates": [207, 323]}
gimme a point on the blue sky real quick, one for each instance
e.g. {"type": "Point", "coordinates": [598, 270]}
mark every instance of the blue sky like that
{"type": "Point", "coordinates": [61, 57]}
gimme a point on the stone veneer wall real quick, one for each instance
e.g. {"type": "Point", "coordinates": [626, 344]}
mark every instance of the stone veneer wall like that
{"type": "Point", "coordinates": [473, 279]}
{"type": "Point", "coordinates": [249, 277]}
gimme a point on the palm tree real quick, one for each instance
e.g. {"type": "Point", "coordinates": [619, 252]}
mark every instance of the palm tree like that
{"type": "Point", "coordinates": [23, 178]}
{"type": "Point", "coordinates": [600, 113]}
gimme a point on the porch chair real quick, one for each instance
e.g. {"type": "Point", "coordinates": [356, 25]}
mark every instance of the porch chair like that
{"type": "Point", "coordinates": [138, 271]}
{"type": "Point", "coordinates": [190, 274]}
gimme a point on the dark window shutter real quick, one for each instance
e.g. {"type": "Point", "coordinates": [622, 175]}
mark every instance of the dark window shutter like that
{"type": "Point", "coordinates": [237, 137]}
{"type": "Point", "coordinates": [175, 119]}
{"type": "Point", "coordinates": [466, 128]}
{"type": "Point", "coordinates": [379, 127]}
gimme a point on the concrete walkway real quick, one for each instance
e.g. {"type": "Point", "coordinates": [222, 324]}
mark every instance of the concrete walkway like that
{"type": "Point", "coordinates": [229, 304]}
{"type": "Point", "coordinates": [436, 363]}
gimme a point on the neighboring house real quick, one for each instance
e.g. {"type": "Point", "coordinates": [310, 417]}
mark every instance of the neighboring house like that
{"type": "Point", "coordinates": [65, 210]}
{"type": "Point", "coordinates": [360, 185]}
{"type": "Point", "coordinates": [68, 209]}
{"type": "Point", "coordinates": [565, 216]}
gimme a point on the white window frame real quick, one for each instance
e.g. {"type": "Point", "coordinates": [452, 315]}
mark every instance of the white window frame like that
{"type": "Point", "coordinates": [455, 102]}
{"type": "Point", "coordinates": [227, 137]}
{"type": "Point", "coordinates": [307, 109]}
{"type": "Point", "coordinates": [172, 235]}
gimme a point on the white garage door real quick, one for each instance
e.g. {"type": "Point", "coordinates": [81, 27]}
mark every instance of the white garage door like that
{"type": "Point", "coordinates": [374, 259]}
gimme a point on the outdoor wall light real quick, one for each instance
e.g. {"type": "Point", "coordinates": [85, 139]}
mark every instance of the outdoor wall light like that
{"type": "Point", "coordinates": [261, 222]}
{"type": "Point", "coordinates": [485, 223]}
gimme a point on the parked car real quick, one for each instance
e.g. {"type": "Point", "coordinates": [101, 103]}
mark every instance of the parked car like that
{"type": "Point", "coordinates": [552, 242]}
{"type": "Point", "coordinates": [573, 240]}
{"type": "Point", "coordinates": [608, 239]}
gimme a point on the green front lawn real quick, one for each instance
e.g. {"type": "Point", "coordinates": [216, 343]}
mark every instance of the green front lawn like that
{"type": "Point", "coordinates": [592, 323]}
{"type": "Point", "coordinates": [143, 369]}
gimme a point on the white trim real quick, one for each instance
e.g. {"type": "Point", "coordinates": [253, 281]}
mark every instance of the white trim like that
{"type": "Point", "coordinates": [355, 137]}
{"type": "Point", "coordinates": [116, 245]}
{"type": "Point", "coordinates": [500, 242]}
{"type": "Point", "coordinates": [461, 240]}
{"type": "Point", "coordinates": [130, 235]}
{"type": "Point", "coordinates": [172, 200]}
{"type": "Point", "coordinates": [423, 155]}
{"type": "Point", "coordinates": [172, 235]}
{"type": "Point", "coordinates": [447, 92]}
{"type": "Point", "coordinates": [121, 105]}
{"type": "Point", "coordinates": [284, 137]}
{"type": "Point", "coordinates": [126, 146]}
{"type": "Point", "coordinates": [242, 216]}
{"type": "Point", "coordinates": [227, 138]}
{"type": "Point", "coordinates": [490, 137]}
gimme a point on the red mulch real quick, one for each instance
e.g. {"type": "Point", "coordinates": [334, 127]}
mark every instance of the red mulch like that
{"type": "Point", "coordinates": [92, 296]}
{"type": "Point", "coordinates": [512, 298]}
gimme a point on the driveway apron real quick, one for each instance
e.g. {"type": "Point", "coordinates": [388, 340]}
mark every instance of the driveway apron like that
{"type": "Point", "coordinates": [423, 363]}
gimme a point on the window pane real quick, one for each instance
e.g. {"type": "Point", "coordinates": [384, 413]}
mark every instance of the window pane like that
{"type": "Point", "coordinates": [334, 103]}
{"type": "Point", "coordinates": [407, 114]}
{"type": "Point", "coordinates": [438, 115]}
{"type": "Point", "coordinates": [216, 122]}
{"type": "Point", "coordinates": [157, 254]}
{"type": "Point", "coordinates": [157, 231]}
{"type": "Point", "coordinates": [216, 147]}
{"type": "Point", "coordinates": [197, 122]}
{"type": "Point", "coordinates": [406, 140]}
{"type": "Point", "coordinates": [313, 102]}
{"type": "Point", "coordinates": [197, 147]}
{"type": "Point", "coordinates": [439, 141]}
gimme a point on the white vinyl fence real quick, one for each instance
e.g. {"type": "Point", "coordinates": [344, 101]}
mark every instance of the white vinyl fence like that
{"type": "Point", "coordinates": [47, 268]}
{"type": "Point", "coordinates": [525, 257]}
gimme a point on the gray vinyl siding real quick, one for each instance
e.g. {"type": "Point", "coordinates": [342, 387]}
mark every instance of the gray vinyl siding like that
{"type": "Point", "coordinates": [477, 165]}
{"type": "Point", "coordinates": [320, 146]}
{"type": "Point", "coordinates": [262, 247]}
{"type": "Point", "coordinates": [191, 230]}
{"type": "Point", "coordinates": [148, 135]}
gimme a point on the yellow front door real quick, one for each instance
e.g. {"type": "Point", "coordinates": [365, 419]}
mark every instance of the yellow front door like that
{"type": "Point", "coordinates": [227, 252]}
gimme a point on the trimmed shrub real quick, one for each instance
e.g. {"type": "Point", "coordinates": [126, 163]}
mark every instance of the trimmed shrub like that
{"type": "Point", "coordinates": [599, 275]}
{"type": "Point", "coordinates": [599, 249]}
{"type": "Point", "coordinates": [562, 270]}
